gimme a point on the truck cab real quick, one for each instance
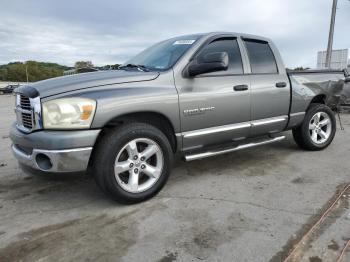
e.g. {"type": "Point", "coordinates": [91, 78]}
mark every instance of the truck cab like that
{"type": "Point", "coordinates": [250, 98]}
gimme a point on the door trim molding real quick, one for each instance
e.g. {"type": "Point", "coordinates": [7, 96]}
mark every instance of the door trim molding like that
{"type": "Point", "coordinates": [216, 129]}
{"type": "Point", "coordinates": [225, 128]}
{"type": "Point", "coordinates": [297, 114]}
{"type": "Point", "coordinates": [267, 121]}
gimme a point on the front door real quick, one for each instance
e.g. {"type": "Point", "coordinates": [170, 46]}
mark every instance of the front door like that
{"type": "Point", "coordinates": [215, 107]}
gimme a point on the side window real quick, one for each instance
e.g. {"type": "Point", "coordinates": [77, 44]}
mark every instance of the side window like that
{"type": "Point", "coordinates": [230, 46]}
{"type": "Point", "coordinates": [262, 60]}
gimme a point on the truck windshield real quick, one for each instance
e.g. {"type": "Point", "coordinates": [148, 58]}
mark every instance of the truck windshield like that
{"type": "Point", "coordinates": [163, 55]}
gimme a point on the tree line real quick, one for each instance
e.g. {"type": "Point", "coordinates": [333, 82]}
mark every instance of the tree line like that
{"type": "Point", "coordinates": [33, 71]}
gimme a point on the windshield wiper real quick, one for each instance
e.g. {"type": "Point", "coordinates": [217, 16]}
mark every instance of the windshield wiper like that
{"type": "Point", "coordinates": [139, 67]}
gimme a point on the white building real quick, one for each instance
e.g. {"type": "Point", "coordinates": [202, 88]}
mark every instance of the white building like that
{"type": "Point", "coordinates": [339, 59]}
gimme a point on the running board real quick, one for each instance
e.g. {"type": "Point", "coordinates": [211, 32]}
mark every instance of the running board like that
{"type": "Point", "coordinates": [196, 156]}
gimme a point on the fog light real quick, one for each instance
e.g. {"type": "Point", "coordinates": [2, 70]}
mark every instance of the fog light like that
{"type": "Point", "coordinates": [43, 161]}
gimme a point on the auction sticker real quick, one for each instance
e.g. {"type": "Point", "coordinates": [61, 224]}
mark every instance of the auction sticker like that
{"type": "Point", "coordinates": [184, 42]}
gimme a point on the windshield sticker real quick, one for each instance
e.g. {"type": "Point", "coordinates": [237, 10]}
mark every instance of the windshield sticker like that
{"type": "Point", "coordinates": [184, 42]}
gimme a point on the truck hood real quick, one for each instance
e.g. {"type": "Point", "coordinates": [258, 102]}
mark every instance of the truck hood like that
{"type": "Point", "coordinates": [64, 84]}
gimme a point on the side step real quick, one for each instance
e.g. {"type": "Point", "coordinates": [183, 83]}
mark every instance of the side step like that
{"type": "Point", "coordinates": [196, 156]}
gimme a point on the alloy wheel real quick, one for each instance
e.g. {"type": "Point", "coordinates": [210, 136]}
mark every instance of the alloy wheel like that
{"type": "Point", "coordinates": [320, 128]}
{"type": "Point", "coordinates": [138, 165]}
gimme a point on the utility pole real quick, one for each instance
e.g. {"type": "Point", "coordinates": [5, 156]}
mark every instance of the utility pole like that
{"type": "Point", "coordinates": [331, 34]}
{"type": "Point", "coordinates": [27, 73]}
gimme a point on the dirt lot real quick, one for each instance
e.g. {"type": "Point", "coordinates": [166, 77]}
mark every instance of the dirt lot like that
{"type": "Point", "coordinates": [254, 205]}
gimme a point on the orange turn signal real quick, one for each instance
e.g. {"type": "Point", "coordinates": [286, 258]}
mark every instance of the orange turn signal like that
{"type": "Point", "coordinates": [87, 110]}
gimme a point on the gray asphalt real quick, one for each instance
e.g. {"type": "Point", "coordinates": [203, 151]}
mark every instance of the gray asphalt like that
{"type": "Point", "coordinates": [250, 205]}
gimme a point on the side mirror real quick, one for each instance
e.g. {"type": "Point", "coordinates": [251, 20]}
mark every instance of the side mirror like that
{"type": "Point", "coordinates": [347, 79]}
{"type": "Point", "coordinates": [210, 62]}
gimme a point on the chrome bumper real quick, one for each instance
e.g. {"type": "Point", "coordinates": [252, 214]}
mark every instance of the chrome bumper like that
{"type": "Point", "coordinates": [54, 151]}
{"type": "Point", "coordinates": [67, 160]}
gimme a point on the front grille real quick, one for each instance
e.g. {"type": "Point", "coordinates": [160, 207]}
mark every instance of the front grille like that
{"type": "Point", "coordinates": [25, 102]}
{"type": "Point", "coordinates": [27, 120]}
{"type": "Point", "coordinates": [24, 111]}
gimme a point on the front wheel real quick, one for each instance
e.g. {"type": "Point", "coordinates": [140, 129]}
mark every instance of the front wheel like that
{"type": "Point", "coordinates": [318, 128]}
{"type": "Point", "coordinates": [132, 162]}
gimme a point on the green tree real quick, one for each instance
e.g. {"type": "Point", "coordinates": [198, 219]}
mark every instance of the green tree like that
{"type": "Point", "coordinates": [83, 64]}
{"type": "Point", "coordinates": [17, 71]}
{"type": "Point", "coordinates": [116, 66]}
{"type": "Point", "coordinates": [300, 68]}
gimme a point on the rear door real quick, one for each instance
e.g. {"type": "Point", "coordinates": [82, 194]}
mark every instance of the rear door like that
{"type": "Point", "coordinates": [215, 107]}
{"type": "Point", "coordinates": [270, 88]}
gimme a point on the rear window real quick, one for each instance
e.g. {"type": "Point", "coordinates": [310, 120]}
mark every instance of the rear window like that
{"type": "Point", "coordinates": [262, 60]}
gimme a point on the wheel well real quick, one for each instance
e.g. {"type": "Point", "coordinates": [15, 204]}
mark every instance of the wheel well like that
{"type": "Point", "coordinates": [158, 120]}
{"type": "Point", "coordinates": [319, 99]}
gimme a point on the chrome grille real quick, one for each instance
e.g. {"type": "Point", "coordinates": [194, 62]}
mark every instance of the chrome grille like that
{"type": "Point", "coordinates": [28, 113]}
{"type": "Point", "coordinates": [24, 112]}
{"type": "Point", "coordinates": [25, 102]}
{"type": "Point", "coordinates": [27, 120]}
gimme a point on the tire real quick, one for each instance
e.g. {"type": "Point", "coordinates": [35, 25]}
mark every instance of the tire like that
{"type": "Point", "coordinates": [116, 151]}
{"type": "Point", "coordinates": [314, 134]}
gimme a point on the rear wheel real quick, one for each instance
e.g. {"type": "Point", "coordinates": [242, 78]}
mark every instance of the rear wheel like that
{"type": "Point", "coordinates": [318, 128]}
{"type": "Point", "coordinates": [132, 162]}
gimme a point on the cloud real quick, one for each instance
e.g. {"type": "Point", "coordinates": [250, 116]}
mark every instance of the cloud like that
{"type": "Point", "coordinates": [110, 31]}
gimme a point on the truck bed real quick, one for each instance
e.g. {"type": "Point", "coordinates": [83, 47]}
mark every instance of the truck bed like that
{"type": "Point", "coordinates": [331, 81]}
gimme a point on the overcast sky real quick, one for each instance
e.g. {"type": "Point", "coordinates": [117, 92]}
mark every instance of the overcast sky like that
{"type": "Point", "coordinates": [112, 31]}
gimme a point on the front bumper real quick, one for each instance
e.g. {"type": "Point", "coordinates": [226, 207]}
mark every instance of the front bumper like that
{"type": "Point", "coordinates": [69, 160]}
{"type": "Point", "coordinates": [54, 151]}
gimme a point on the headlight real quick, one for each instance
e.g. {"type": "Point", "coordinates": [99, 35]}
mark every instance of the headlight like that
{"type": "Point", "coordinates": [68, 113]}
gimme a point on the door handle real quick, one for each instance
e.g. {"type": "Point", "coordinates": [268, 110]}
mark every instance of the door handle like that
{"type": "Point", "coordinates": [240, 88]}
{"type": "Point", "coordinates": [281, 84]}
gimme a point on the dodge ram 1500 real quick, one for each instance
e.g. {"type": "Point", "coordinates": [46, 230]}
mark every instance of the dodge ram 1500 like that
{"type": "Point", "coordinates": [197, 96]}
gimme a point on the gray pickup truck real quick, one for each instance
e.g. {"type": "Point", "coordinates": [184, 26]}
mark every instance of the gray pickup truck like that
{"type": "Point", "coordinates": [196, 96]}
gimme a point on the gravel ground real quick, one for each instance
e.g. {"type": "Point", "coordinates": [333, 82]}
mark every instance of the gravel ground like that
{"type": "Point", "coordinates": [251, 205]}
